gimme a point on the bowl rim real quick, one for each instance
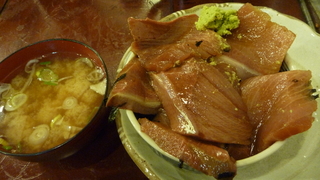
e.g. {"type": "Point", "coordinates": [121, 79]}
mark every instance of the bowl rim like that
{"type": "Point", "coordinates": [101, 107]}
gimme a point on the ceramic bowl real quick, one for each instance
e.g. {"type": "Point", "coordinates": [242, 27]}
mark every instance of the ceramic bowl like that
{"type": "Point", "coordinates": [295, 158]}
{"type": "Point", "coordinates": [18, 60]}
{"type": "Point", "coordinates": [243, 162]}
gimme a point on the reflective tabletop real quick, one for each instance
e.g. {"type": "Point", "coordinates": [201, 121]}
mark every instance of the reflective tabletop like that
{"type": "Point", "coordinates": [102, 24]}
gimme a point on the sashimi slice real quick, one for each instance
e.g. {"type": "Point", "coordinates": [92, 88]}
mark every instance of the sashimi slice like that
{"type": "Point", "coordinates": [205, 157]}
{"type": "Point", "coordinates": [259, 43]}
{"type": "Point", "coordinates": [162, 117]}
{"type": "Point", "coordinates": [201, 102]}
{"type": "Point", "coordinates": [237, 151]}
{"type": "Point", "coordinates": [163, 45]}
{"type": "Point", "coordinates": [242, 70]}
{"type": "Point", "coordinates": [133, 91]}
{"type": "Point", "coordinates": [279, 105]}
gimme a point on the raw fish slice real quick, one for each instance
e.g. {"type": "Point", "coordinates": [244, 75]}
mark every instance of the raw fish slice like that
{"type": "Point", "coordinates": [230, 72]}
{"type": "Point", "coordinates": [258, 43]}
{"type": "Point", "coordinates": [133, 91]}
{"type": "Point", "coordinates": [201, 102]}
{"type": "Point", "coordinates": [162, 117]}
{"type": "Point", "coordinates": [279, 105]}
{"type": "Point", "coordinates": [205, 157]}
{"type": "Point", "coordinates": [163, 45]}
{"type": "Point", "coordinates": [237, 151]}
{"type": "Point", "coordinates": [221, 77]}
{"type": "Point", "coordinates": [241, 70]}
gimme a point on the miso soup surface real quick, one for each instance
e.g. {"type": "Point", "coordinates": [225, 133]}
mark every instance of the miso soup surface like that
{"type": "Point", "coordinates": [60, 107]}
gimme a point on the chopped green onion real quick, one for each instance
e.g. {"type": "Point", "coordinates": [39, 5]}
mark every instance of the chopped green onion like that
{"type": "Point", "coordinates": [39, 134]}
{"type": "Point", "coordinates": [7, 147]}
{"type": "Point", "coordinates": [47, 75]}
{"type": "Point", "coordinates": [85, 60]}
{"type": "Point", "coordinates": [50, 83]}
{"type": "Point", "coordinates": [69, 102]}
{"type": "Point", "coordinates": [16, 101]}
{"type": "Point", "coordinates": [45, 63]}
{"type": "Point", "coordinates": [95, 76]}
{"type": "Point", "coordinates": [3, 142]}
{"type": "Point", "coordinates": [56, 120]}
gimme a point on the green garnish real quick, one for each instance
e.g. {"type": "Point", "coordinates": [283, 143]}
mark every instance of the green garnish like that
{"type": "Point", "coordinates": [219, 20]}
{"type": "Point", "coordinates": [15, 102]}
{"type": "Point", "coordinates": [56, 120]}
{"type": "Point", "coordinates": [3, 142]}
{"type": "Point", "coordinates": [7, 147]}
{"type": "Point", "coordinates": [47, 76]}
{"type": "Point", "coordinates": [50, 83]}
{"type": "Point", "coordinates": [45, 63]}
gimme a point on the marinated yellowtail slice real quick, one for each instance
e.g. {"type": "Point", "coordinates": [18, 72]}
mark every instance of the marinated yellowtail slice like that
{"type": "Point", "coordinates": [200, 101]}
{"type": "Point", "coordinates": [258, 43]}
{"type": "Point", "coordinates": [163, 45]}
{"type": "Point", "coordinates": [205, 157]}
{"type": "Point", "coordinates": [279, 105]}
{"type": "Point", "coordinates": [132, 90]}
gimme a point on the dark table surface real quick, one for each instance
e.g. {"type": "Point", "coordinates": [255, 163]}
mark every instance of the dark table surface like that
{"type": "Point", "coordinates": [101, 24]}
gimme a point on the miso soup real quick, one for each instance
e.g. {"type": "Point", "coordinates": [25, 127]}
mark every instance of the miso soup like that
{"type": "Point", "coordinates": [49, 102]}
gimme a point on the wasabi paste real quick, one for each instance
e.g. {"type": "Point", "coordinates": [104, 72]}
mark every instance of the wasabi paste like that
{"type": "Point", "coordinates": [221, 21]}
